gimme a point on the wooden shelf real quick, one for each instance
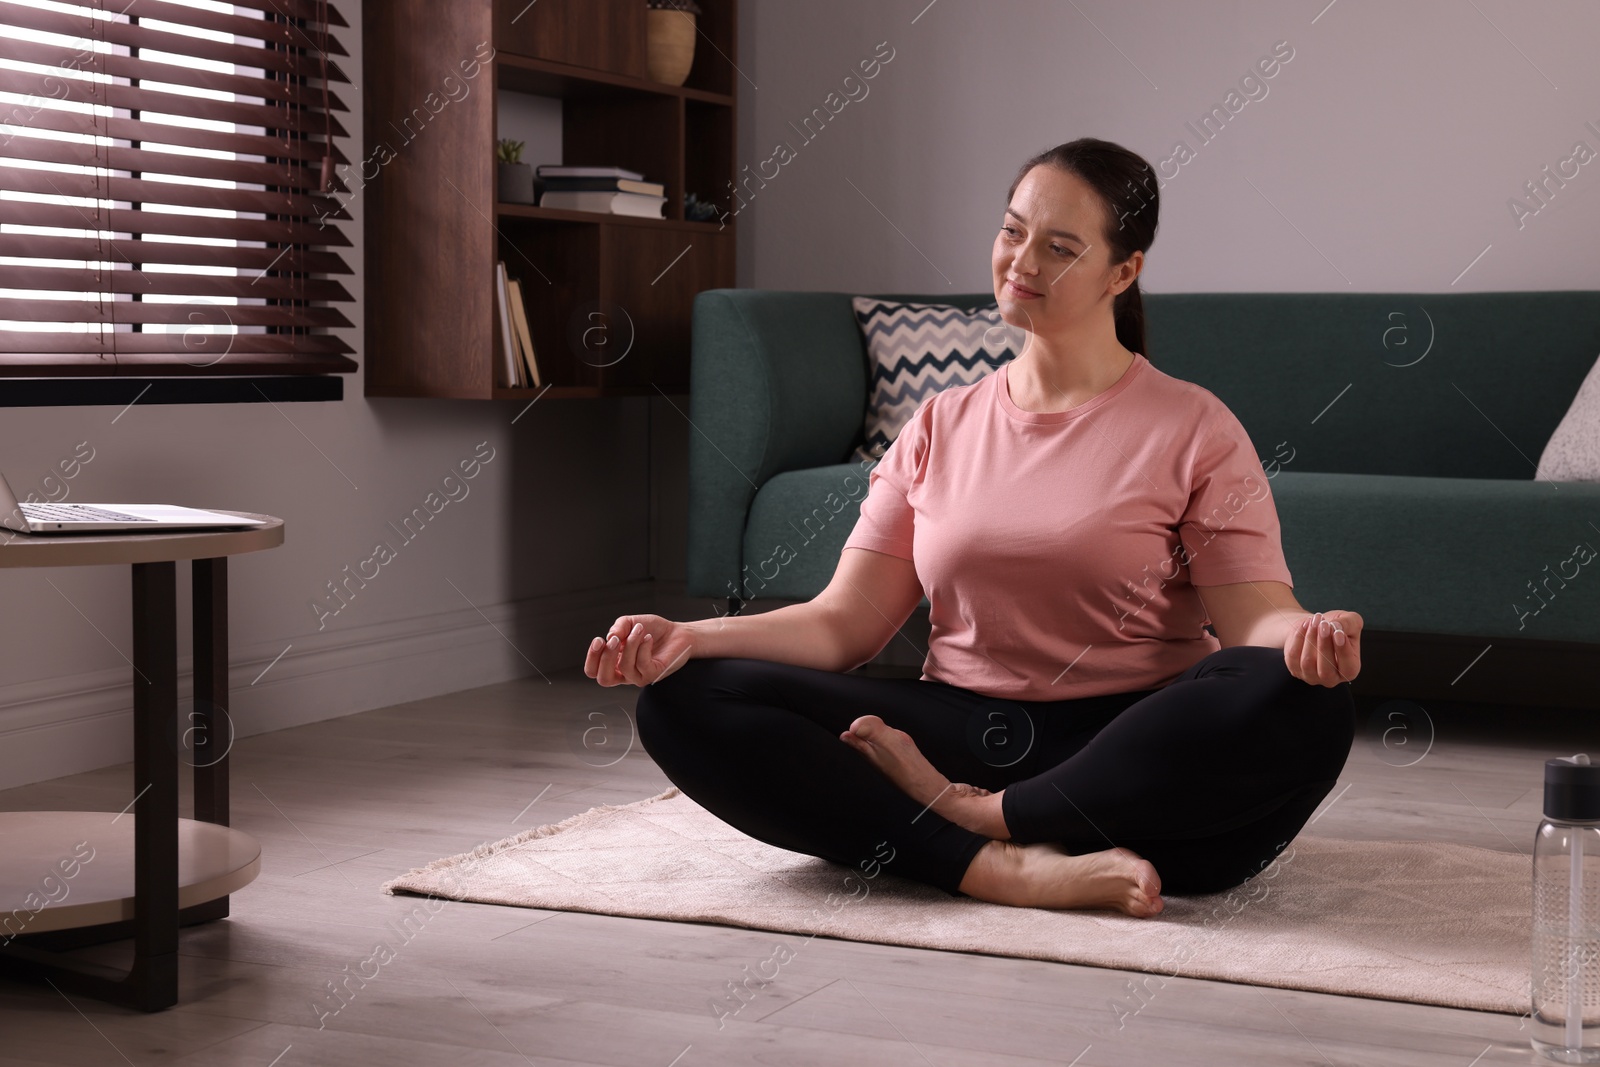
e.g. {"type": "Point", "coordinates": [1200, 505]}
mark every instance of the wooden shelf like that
{"type": "Point", "coordinates": [435, 226]}
{"type": "Point", "coordinates": [213, 861]}
{"type": "Point", "coordinates": [541, 77]}
{"type": "Point", "coordinates": [580, 392]}
{"type": "Point", "coordinates": [601, 218]}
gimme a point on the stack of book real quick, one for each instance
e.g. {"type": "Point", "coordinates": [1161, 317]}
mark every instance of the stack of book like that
{"type": "Point", "coordinates": [611, 190]}
{"type": "Point", "coordinates": [518, 368]}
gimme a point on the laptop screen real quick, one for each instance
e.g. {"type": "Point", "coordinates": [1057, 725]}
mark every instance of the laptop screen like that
{"type": "Point", "coordinates": [11, 516]}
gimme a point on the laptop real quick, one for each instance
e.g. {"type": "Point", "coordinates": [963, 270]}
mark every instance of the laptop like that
{"type": "Point", "coordinates": [46, 518]}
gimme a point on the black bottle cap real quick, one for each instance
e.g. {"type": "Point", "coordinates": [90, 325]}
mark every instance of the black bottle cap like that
{"type": "Point", "coordinates": [1571, 790]}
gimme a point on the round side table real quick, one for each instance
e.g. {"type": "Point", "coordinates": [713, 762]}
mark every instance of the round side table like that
{"type": "Point", "coordinates": [141, 872]}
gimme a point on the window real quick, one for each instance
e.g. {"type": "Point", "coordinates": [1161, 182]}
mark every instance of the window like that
{"type": "Point", "coordinates": [163, 206]}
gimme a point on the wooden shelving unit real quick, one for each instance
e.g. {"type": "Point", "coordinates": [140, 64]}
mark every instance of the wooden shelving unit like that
{"type": "Point", "coordinates": [434, 227]}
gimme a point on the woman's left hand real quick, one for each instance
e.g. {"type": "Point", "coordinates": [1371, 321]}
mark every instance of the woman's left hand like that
{"type": "Point", "coordinates": [1325, 648]}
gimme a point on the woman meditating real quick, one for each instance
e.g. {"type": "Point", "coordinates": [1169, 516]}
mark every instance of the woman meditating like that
{"type": "Point", "coordinates": [1075, 518]}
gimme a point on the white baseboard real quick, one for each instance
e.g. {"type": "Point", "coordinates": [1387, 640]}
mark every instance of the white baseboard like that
{"type": "Point", "coordinates": [80, 722]}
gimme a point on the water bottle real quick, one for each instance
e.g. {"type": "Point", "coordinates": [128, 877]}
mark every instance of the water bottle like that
{"type": "Point", "coordinates": [1566, 914]}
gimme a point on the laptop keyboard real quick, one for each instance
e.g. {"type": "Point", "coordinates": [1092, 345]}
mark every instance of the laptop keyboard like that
{"type": "Point", "coordinates": [79, 512]}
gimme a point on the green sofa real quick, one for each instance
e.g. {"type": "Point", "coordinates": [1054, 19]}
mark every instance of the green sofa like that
{"type": "Point", "coordinates": [1400, 431]}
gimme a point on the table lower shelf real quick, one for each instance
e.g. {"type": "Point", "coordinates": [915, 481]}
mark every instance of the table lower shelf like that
{"type": "Point", "coordinates": [60, 870]}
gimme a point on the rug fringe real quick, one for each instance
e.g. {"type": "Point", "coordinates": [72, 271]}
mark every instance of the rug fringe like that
{"type": "Point", "coordinates": [489, 848]}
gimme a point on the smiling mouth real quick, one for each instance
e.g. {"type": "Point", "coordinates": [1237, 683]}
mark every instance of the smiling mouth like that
{"type": "Point", "coordinates": [1021, 289]}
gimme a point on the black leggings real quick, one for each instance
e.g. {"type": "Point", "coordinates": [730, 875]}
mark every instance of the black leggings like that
{"type": "Point", "coordinates": [1208, 778]}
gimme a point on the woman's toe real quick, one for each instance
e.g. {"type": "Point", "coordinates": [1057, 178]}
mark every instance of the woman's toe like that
{"type": "Point", "coordinates": [868, 727]}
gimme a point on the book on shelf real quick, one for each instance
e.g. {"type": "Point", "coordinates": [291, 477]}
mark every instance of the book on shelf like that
{"type": "Point", "coordinates": [557, 170]}
{"type": "Point", "coordinates": [608, 185]}
{"type": "Point", "coordinates": [505, 339]}
{"type": "Point", "coordinates": [634, 204]}
{"type": "Point", "coordinates": [519, 318]}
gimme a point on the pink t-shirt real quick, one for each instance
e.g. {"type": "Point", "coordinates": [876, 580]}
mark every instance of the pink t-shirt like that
{"type": "Point", "coordinates": [1057, 549]}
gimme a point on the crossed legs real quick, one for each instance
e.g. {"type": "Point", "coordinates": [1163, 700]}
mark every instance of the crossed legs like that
{"type": "Point", "coordinates": [757, 744]}
{"type": "Point", "coordinates": [1207, 779]}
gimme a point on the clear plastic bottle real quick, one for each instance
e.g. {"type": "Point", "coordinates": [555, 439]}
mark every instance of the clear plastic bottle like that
{"type": "Point", "coordinates": [1565, 982]}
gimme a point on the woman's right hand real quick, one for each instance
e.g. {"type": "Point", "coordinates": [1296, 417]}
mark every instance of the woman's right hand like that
{"type": "Point", "coordinates": [638, 650]}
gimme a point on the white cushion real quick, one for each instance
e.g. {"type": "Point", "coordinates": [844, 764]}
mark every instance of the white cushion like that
{"type": "Point", "coordinates": [1573, 454]}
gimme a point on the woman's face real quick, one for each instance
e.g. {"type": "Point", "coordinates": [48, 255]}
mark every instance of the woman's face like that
{"type": "Point", "coordinates": [1051, 262]}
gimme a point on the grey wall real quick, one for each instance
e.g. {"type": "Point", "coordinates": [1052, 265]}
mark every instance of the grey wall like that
{"type": "Point", "coordinates": [1381, 156]}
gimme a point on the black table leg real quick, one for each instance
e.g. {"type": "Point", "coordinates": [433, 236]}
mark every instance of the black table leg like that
{"type": "Point", "coordinates": [153, 982]}
{"type": "Point", "coordinates": [210, 728]}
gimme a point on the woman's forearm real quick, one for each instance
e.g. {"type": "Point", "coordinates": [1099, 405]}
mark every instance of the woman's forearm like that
{"type": "Point", "coordinates": [801, 634]}
{"type": "Point", "coordinates": [1274, 627]}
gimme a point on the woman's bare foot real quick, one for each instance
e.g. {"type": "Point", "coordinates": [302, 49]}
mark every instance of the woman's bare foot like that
{"type": "Point", "coordinates": [1046, 876]}
{"type": "Point", "coordinates": [894, 753]}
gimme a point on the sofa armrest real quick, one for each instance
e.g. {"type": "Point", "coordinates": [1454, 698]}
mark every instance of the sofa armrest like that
{"type": "Point", "coordinates": [778, 382]}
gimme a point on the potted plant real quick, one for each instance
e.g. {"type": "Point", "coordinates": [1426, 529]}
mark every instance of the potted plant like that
{"type": "Point", "coordinates": [697, 210]}
{"type": "Point", "coordinates": [514, 177]}
{"type": "Point", "coordinates": [669, 39]}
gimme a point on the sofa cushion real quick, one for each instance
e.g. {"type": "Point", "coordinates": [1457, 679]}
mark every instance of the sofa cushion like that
{"type": "Point", "coordinates": [797, 529]}
{"type": "Point", "coordinates": [1454, 385]}
{"type": "Point", "coordinates": [915, 350]}
{"type": "Point", "coordinates": [1573, 452]}
{"type": "Point", "coordinates": [1485, 557]}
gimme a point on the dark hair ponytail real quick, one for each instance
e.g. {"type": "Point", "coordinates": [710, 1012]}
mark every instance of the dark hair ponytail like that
{"type": "Point", "coordinates": [1128, 191]}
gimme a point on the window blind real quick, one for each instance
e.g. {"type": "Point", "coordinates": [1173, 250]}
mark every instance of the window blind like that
{"type": "Point", "coordinates": [167, 188]}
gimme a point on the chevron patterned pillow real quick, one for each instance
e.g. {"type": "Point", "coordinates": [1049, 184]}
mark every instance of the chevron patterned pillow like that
{"type": "Point", "coordinates": [915, 350]}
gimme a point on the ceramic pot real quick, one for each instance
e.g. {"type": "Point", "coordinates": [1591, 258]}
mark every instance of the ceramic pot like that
{"type": "Point", "coordinates": [669, 45]}
{"type": "Point", "coordinates": [515, 182]}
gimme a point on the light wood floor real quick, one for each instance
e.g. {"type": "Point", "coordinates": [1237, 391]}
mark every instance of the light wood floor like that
{"type": "Point", "coordinates": [341, 806]}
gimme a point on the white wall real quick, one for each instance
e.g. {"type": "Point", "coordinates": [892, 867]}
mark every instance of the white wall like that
{"type": "Point", "coordinates": [1381, 157]}
{"type": "Point", "coordinates": [551, 543]}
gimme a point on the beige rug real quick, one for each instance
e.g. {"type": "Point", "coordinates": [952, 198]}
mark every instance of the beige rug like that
{"type": "Point", "coordinates": [1396, 920]}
